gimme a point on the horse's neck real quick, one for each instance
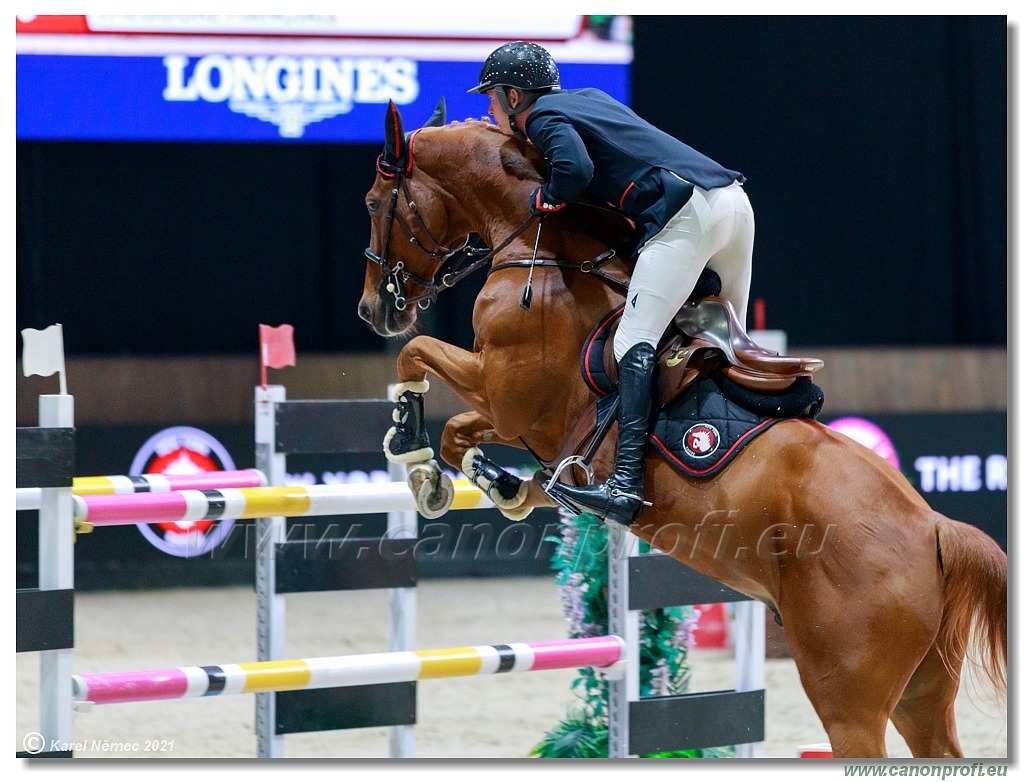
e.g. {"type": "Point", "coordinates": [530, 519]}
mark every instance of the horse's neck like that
{"type": "Point", "coordinates": [565, 304]}
{"type": "Point", "coordinates": [486, 177]}
{"type": "Point", "coordinates": [486, 180]}
{"type": "Point", "coordinates": [462, 165]}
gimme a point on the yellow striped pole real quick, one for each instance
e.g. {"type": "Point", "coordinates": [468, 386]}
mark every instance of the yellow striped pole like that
{"type": "Point", "coordinates": [261, 502]}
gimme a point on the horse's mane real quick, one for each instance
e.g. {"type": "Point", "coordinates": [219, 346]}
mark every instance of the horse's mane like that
{"type": "Point", "coordinates": [481, 139]}
{"type": "Point", "coordinates": [520, 161]}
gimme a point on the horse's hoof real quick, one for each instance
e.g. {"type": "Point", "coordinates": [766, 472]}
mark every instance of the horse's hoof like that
{"type": "Point", "coordinates": [435, 496]}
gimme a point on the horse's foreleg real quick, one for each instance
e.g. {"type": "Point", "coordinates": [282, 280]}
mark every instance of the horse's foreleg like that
{"type": "Point", "coordinates": [460, 370]}
{"type": "Point", "coordinates": [505, 490]}
{"type": "Point", "coordinates": [407, 441]}
{"type": "Point", "coordinates": [510, 493]}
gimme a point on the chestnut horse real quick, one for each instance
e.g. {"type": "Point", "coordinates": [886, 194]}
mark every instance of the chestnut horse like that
{"type": "Point", "coordinates": [881, 597]}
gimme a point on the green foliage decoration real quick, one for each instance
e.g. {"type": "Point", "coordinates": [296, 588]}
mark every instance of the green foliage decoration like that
{"type": "Point", "coordinates": [581, 560]}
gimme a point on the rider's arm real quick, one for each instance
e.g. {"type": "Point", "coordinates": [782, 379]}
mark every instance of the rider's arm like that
{"type": "Point", "coordinates": [571, 166]}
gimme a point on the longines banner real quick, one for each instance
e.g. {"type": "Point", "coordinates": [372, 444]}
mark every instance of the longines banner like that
{"type": "Point", "coordinates": [280, 78]}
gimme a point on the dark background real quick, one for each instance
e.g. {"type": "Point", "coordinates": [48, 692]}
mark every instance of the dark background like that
{"type": "Point", "coordinates": [875, 151]}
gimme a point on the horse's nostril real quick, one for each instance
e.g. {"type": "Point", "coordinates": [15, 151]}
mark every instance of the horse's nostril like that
{"type": "Point", "coordinates": [365, 311]}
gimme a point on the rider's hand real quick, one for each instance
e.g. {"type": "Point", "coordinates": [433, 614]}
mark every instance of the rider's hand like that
{"type": "Point", "coordinates": [539, 207]}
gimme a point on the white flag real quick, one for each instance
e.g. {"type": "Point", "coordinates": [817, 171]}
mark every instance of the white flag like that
{"type": "Point", "coordinates": [43, 352]}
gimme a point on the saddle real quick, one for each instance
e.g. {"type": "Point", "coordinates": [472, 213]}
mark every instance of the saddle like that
{"type": "Point", "coordinates": [708, 337]}
{"type": "Point", "coordinates": [705, 338]}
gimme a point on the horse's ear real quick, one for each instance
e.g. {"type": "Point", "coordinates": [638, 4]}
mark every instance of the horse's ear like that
{"type": "Point", "coordinates": [395, 149]}
{"type": "Point", "coordinates": [437, 119]}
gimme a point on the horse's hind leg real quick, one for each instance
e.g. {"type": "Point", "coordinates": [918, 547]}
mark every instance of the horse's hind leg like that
{"type": "Point", "coordinates": [854, 718]}
{"type": "Point", "coordinates": [853, 688]}
{"type": "Point", "coordinates": [925, 715]}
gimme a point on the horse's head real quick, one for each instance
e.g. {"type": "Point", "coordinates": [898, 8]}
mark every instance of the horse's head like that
{"type": "Point", "coordinates": [408, 224]}
{"type": "Point", "coordinates": [436, 186]}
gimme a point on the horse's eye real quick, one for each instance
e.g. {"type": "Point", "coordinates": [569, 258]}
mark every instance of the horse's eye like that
{"type": "Point", "coordinates": [372, 206]}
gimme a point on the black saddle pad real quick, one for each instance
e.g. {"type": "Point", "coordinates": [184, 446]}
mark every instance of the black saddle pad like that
{"type": "Point", "coordinates": [703, 429]}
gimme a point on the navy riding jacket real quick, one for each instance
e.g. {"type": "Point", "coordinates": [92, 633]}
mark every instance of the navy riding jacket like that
{"type": "Point", "coordinates": [600, 147]}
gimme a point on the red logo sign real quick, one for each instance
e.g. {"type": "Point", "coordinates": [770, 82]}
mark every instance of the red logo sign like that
{"type": "Point", "coordinates": [701, 440]}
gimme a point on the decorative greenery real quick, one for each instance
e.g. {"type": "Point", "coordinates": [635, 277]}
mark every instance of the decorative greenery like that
{"type": "Point", "coordinates": [581, 559]}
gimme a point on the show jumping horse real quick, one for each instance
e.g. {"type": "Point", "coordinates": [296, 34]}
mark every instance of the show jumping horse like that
{"type": "Point", "coordinates": [888, 597]}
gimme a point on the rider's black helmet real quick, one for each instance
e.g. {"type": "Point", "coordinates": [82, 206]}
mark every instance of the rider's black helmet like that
{"type": "Point", "coordinates": [525, 66]}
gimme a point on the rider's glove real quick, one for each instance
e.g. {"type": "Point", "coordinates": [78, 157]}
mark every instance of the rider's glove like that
{"type": "Point", "coordinates": [539, 207]}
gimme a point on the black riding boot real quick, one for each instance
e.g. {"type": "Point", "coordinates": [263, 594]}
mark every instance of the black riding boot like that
{"type": "Point", "coordinates": [620, 499]}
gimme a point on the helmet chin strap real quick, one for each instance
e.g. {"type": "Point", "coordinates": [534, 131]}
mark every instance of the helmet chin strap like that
{"type": "Point", "coordinates": [528, 99]}
{"type": "Point", "coordinates": [516, 131]}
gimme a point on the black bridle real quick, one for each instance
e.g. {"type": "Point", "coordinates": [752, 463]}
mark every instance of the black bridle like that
{"type": "Point", "coordinates": [454, 264]}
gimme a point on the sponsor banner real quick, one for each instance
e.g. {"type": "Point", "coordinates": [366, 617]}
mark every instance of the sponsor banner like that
{"type": "Point", "coordinates": [248, 98]}
{"type": "Point", "coordinates": [191, 79]}
{"type": "Point", "coordinates": [551, 27]}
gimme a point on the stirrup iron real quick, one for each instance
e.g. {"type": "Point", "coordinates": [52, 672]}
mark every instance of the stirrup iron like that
{"type": "Point", "coordinates": [568, 462]}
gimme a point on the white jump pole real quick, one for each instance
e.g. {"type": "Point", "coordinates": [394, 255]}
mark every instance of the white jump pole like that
{"type": "Point", "coordinates": [56, 571]}
{"type": "Point", "coordinates": [402, 609]}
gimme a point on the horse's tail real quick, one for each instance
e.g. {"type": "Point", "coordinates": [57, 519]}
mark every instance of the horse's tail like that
{"type": "Point", "coordinates": [974, 593]}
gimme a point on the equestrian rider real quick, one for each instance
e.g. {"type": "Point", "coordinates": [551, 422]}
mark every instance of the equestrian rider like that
{"type": "Point", "coordinates": [689, 211]}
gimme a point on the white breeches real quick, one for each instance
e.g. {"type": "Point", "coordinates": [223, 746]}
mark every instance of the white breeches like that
{"type": "Point", "coordinates": [715, 229]}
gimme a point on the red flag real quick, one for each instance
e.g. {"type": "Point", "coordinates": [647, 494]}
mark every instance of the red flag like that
{"type": "Point", "coordinates": [277, 348]}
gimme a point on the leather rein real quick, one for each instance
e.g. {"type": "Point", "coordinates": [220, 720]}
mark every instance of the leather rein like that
{"type": "Point", "coordinates": [459, 263]}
